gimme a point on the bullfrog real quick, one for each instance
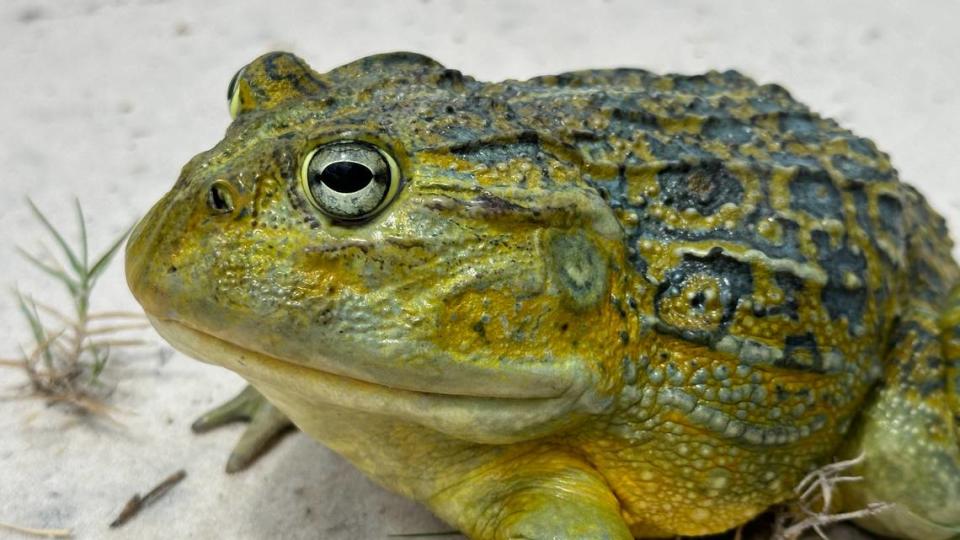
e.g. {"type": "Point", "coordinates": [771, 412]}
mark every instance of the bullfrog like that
{"type": "Point", "coordinates": [600, 304]}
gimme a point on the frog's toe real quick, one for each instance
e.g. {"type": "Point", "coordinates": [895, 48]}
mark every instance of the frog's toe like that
{"type": "Point", "coordinates": [266, 424]}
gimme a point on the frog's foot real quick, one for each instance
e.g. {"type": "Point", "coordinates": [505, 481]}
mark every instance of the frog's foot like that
{"type": "Point", "coordinates": [267, 423]}
{"type": "Point", "coordinates": [909, 433]}
{"type": "Point", "coordinates": [543, 496]}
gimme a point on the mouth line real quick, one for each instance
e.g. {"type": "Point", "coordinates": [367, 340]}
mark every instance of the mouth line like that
{"type": "Point", "coordinates": [298, 389]}
{"type": "Point", "coordinates": [274, 360]}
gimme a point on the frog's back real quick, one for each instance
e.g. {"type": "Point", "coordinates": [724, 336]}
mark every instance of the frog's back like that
{"type": "Point", "coordinates": [741, 177]}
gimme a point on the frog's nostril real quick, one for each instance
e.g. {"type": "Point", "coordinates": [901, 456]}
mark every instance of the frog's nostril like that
{"type": "Point", "coordinates": [220, 198]}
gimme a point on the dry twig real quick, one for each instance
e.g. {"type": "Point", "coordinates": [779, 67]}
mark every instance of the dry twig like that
{"type": "Point", "coordinates": [138, 503]}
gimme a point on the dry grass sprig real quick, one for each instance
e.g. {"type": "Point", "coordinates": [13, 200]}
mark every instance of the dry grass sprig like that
{"type": "Point", "coordinates": [34, 531]}
{"type": "Point", "coordinates": [66, 358]}
{"type": "Point", "coordinates": [813, 506]}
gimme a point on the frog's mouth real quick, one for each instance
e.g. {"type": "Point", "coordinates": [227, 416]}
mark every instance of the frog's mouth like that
{"type": "Point", "coordinates": [483, 419]}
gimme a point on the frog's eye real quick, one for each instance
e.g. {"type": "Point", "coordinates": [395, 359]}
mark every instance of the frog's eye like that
{"type": "Point", "coordinates": [233, 93]}
{"type": "Point", "coordinates": [350, 180]}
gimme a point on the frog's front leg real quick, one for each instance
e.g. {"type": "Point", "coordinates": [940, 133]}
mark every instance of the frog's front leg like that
{"type": "Point", "coordinates": [909, 434]}
{"type": "Point", "coordinates": [542, 495]}
{"type": "Point", "coordinates": [266, 424]}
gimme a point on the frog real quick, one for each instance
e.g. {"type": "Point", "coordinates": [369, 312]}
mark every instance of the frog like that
{"type": "Point", "coordinates": [605, 303]}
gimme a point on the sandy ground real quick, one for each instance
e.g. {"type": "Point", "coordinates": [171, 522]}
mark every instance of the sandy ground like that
{"type": "Point", "coordinates": [105, 100]}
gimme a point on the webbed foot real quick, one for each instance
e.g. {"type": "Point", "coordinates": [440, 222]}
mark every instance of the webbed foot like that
{"type": "Point", "coordinates": [267, 423]}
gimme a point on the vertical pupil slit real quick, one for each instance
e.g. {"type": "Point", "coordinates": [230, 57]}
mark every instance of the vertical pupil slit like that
{"type": "Point", "coordinates": [219, 200]}
{"type": "Point", "coordinates": [346, 176]}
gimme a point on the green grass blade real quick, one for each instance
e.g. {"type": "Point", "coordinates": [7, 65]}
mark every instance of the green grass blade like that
{"type": "Point", "coordinates": [82, 225]}
{"type": "Point", "coordinates": [100, 357]}
{"type": "Point", "coordinates": [101, 264]}
{"type": "Point", "coordinates": [36, 327]}
{"type": "Point", "coordinates": [72, 285]}
{"type": "Point", "coordinates": [71, 256]}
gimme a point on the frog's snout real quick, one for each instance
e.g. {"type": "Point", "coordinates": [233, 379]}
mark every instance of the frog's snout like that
{"type": "Point", "coordinates": [140, 248]}
{"type": "Point", "coordinates": [146, 259]}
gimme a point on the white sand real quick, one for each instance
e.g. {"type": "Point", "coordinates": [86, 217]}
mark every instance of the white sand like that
{"type": "Point", "coordinates": [106, 100]}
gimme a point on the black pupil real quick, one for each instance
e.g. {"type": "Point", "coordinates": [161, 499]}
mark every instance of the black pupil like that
{"type": "Point", "coordinates": [219, 199]}
{"type": "Point", "coordinates": [346, 176]}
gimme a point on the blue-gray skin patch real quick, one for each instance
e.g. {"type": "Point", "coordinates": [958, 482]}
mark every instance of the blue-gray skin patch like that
{"type": "Point", "coordinates": [813, 192]}
{"type": "Point", "coordinates": [890, 212]}
{"type": "Point", "coordinates": [842, 299]}
{"type": "Point", "coordinates": [705, 187]}
{"type": "Point", "coordinates": [801, 125]}
{"type": "Point", "coordinates": [728, 130]}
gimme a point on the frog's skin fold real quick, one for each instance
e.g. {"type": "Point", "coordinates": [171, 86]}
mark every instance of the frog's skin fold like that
{"type": "Point", "coordinates": [600, 304]}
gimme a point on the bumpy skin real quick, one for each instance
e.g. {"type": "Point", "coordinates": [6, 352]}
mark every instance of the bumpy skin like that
{"type": "Point", "coordinates": [601, 304]}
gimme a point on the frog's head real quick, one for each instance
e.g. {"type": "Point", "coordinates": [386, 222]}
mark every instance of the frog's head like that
{"type": "Point", "coordinates": [387, 236]}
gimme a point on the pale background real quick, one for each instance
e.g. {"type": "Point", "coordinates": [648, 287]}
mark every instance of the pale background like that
{"type": "Point", "coordinates": [105, 100]}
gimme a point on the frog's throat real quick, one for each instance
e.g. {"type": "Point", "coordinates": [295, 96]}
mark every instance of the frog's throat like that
{"type": "Point", "coordinates": [483, 419]}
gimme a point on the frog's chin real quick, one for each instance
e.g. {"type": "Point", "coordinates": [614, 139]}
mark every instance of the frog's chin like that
{"type": "Point", "coordinates": [483, 419]}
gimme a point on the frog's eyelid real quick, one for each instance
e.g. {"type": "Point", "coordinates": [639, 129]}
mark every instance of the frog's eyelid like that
{"type": "Point", "coordinates": [233, 93]}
